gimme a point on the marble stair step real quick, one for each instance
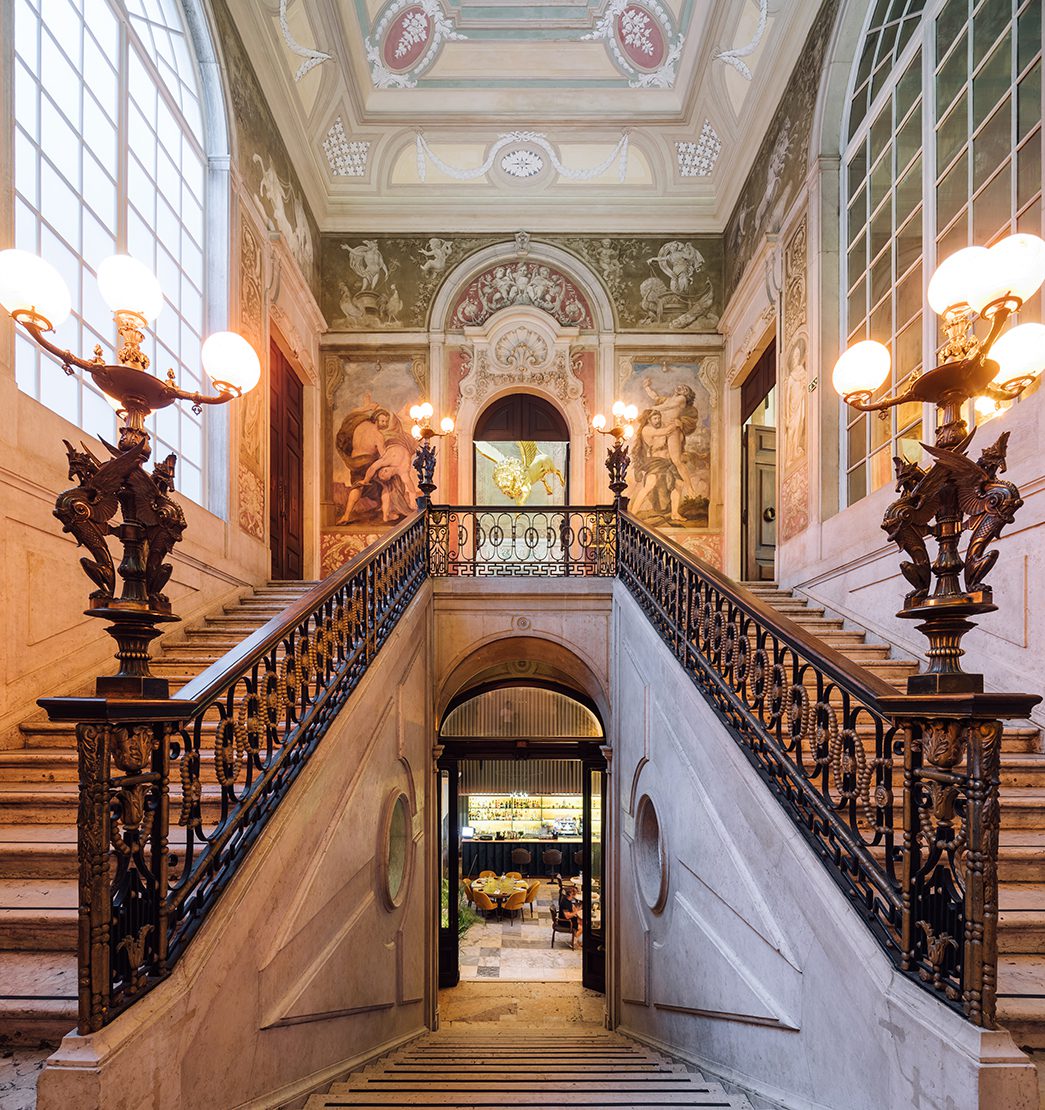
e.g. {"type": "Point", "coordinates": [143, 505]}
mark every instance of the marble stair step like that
{"type": "Point", "coordinates": [1022, 770]}
{"type": "Point", "coordinates": [37, 996]}
{"type": "Point", "coordinates": [43, 765]}
{"type": "Point", "coordinates": [1023, 808]}
{"type": "Point", "coordinates": [37, 852]}
{"type": "Point", "coordinates": [38, 914]}
{"type": "Point", "coordinates": [56, 802]}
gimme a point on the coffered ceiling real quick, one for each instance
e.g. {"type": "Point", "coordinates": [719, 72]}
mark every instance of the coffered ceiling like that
{"type": "Point", "coordinates": [630, 115]}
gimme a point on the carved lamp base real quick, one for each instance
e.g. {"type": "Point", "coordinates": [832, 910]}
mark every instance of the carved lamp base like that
{"type": "Point", "coordinates": [133, 629]}
{"type": "Point", "coordinates": [944, 622]}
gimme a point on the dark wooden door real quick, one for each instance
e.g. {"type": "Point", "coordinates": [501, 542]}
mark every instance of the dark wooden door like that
{"type": "Point", "coordinates": [758, 521]}
{"type": "Point", "coordinates": [286, 517]}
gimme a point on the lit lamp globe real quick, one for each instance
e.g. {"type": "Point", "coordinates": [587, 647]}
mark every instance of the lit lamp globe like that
{"type": "Point", "coordinates": [415, 431]}
{"type": "Point", "coordinates": [631, 412]}
{"type": "Point", "coordinates": [958, 280]}
{"type": "Point", "coordinates": [427, 411]}
{"type": "Point", "coordinates": [618, 408]}
{"type": "Point", "coordinates": [1020, 355]}
{"type": "Point", "coordinates": [447, 425]}
{"type": "Point", "coordinates": [628, 431]}
{"type": "Point", "coordinates": [415, 413]}
{"type": "Point", "coordinates": [127, 285]}
{"type": "Point", "coordinates": [1015, 268]}
{"type": "Point", "coordinates": [861, 370]}
{"type": "Point", "coordinates": [32, 287]}
{"type": "Point", "coordinates": [598, 422]}
{"type": "Point", "coordinates": [231, 363]}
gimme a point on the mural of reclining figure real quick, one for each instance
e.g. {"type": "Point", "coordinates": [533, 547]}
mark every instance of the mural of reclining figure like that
{"type": "Point", "coordinates": [378, 452]}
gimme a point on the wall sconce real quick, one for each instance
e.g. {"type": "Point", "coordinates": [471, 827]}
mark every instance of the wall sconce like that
{"type": "Point", "coordinates": [956, 494]}
{"type": "Point", "coordinates": [34, 294]}
{"type": "Point", "coordinates": [618, 456]}
{"type": "Point", "coordinates": [424, 456]}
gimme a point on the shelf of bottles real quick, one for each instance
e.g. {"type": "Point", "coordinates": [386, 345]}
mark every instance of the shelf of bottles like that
{"type": "Point", "coordinates": [533, 816]}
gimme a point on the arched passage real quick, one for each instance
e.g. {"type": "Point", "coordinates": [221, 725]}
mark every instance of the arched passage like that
{"type": "Point", "coordinates": [522, 790]}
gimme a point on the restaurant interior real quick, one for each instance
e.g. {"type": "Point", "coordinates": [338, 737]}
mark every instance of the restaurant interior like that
{"type": "Point", "coordinates": [522, 806]}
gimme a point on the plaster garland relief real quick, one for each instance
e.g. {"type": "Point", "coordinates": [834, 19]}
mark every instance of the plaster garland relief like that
{"type": "Point", "coordinates": [793, 374]}
{"type": "Point", "coordinates": [250, 469]}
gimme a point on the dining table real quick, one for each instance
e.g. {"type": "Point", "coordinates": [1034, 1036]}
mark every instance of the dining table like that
{"type": "Point", "coordinates": [499, 889]}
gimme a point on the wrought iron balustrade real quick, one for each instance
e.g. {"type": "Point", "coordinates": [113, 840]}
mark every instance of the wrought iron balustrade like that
{"type": "Point", "coordinates": [898, 795]}
{"type": "Point", "coordinates": [541, 542]}
{"type": "Point", "coordinates": [235, 739]}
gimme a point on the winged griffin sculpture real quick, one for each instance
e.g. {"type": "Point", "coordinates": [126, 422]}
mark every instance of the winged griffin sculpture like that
{"type": "Point", "coordinates": [516, 477]}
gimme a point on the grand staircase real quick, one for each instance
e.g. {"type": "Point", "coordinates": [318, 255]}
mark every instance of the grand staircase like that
{"type": "Point", "coordinates": [38, 796]}
{"type": "Point", "coordinates": [1021, 862]}
{"type": "Point", "coordinates": [526, 1067]}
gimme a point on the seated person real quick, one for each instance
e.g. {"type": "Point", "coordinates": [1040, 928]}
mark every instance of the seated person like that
{"type": "Point", "coordinates": [569, 907]}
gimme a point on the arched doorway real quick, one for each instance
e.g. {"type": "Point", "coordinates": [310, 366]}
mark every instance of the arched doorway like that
{"type": "Point", "coordinates": [521, 453]}
{"type": "Point", "coordinates": [522, 798]}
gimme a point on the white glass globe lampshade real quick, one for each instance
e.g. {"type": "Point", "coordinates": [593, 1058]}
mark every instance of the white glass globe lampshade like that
{"type": "Point", "coordinates": [447, 424]}
{"type": "Point", "coordinates": [631, 412]}
{"type": "Point", "coordinates": [415, 412]}
{"type": "Point", "coordinates": [985, 406]}
{"type": "Point", "coordinates": [230, 360]}
{"type": "Point", "coordinates": [598, 422]}
{"type": "Point", "coordinates": [618, 408]}
{"type": "Point", "coordinates": [28, 283]}
{"type": "Point", "coordinates": [127, 285]}
{"type": "Point", "coordinates": [861, 369]}
{"type": "Point", "coordinates": [1015, 267]}
{"type": "Point", "coordinates": [427, 410]}
{"type": "Point", "coordinates": [415, 431]}
{"type": "Point", "coordinates": [629, 431]}
{"type": "Point", "coordinates": [958, 279]}
{"type": "Point", "coordinates": [1019, 353]}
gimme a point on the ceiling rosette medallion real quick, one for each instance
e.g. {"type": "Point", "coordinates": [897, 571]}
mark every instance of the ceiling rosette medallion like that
{"type": "Point", "coordinates": [642, 40]}
{"type": "Point", "coordinates": [406, 40]}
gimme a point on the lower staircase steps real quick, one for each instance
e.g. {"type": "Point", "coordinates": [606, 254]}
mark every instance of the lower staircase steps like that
{"type": "Point", "coordinates": [38, 796]}
{"type": "Point", "coordinates": [1021, 851]}
{"type": "Point", "coordinates": [520, 1067]}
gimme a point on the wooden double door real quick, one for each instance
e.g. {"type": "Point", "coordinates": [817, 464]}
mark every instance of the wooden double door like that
{"type": "Point", "coordinates": [286, 467]}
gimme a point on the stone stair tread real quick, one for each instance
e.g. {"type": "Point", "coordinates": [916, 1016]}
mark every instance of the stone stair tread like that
{"type": "Point", "coordinates": [47, 975]}
{"type": "Point", "coordinates": [39, 894]}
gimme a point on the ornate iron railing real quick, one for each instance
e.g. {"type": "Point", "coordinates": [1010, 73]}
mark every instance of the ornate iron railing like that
{"type": "Point", "coordinates": [897, 795]}
{"type": "Point", "coordinates": [548, 542]}
{"type": "Point", "coordinates": [235, 738]}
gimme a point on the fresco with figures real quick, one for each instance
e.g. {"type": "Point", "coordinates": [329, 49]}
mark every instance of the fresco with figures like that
{"type": "Point", "coordinates": [368, 448]}
{"type": "Point", "coordinates": [775, 180]}
{"type": "Point", "coordinates": [264, 164]}
{"type": "Point", "coordinates": [671, 478]}
{"type": "Point", "coordinates": [388, 283]}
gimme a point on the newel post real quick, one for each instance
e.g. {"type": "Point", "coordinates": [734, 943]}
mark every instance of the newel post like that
{"type": "Point", "coordinates": [123, 858]}
{"type": "Point", "coordinates": [951, 820]}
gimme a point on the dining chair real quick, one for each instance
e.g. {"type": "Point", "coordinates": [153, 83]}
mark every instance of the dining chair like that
{"type": "Point", "coordinates": [513, 874]}
{"type": "Point", "coordinates": [531, 894]}
{"type": "Point", "coordinates": [561, 925]}
{"type": "Point", "coordinates": [484, 902]}
{"type": "Point", "coordinates": [515, 902]}
{"type": "Point", "coordinates": [468, 893]}
{"type": "Point", "coordinates": [487, 874]}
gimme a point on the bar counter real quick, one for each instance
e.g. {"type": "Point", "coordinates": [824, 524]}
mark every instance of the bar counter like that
{"type": "Point", "coordinates": [496, 855]}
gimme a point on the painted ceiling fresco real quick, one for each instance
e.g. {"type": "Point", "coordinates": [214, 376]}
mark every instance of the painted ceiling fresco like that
{"type": "Point", "coordinates": [388, 283]}
{"type": "Point", "coordinates": [427, 44]}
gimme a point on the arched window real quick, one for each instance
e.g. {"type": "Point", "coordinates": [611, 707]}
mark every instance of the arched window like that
{"type": "Point", "coordinates": [110, 157]}
{"type": "Point", "coordinates": [943, 148]}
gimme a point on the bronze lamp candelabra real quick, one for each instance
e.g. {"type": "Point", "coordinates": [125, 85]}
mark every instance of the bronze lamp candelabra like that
{"type": "Point", "coordinates": [424, 456]}
{"type": "Point", "coordinates": [618, 456]}
{"type": "Point", "coordinates": [954, 494]}
{"type": "Point", "coordinates": [36, 297]}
